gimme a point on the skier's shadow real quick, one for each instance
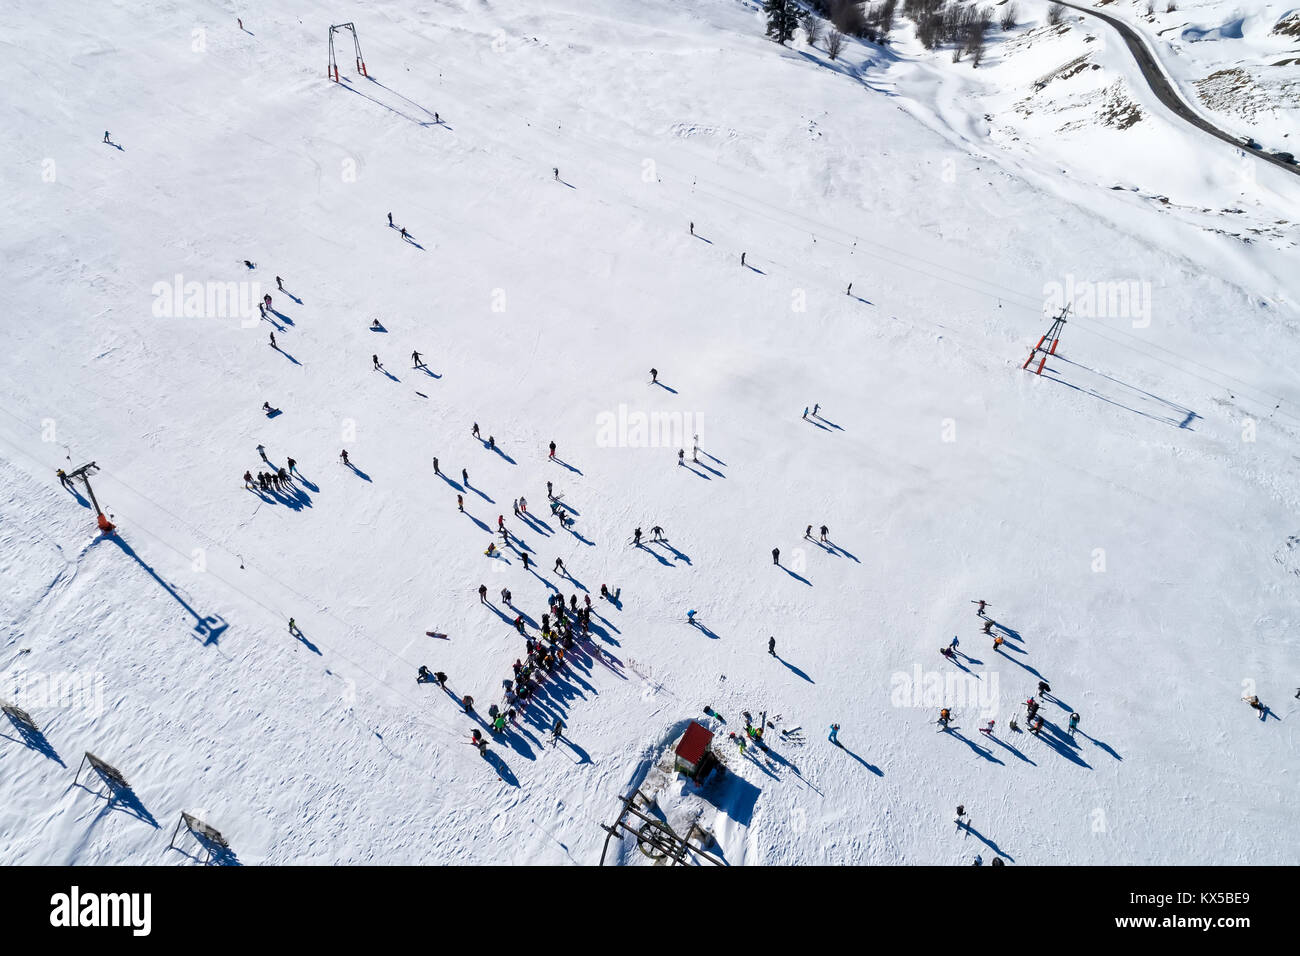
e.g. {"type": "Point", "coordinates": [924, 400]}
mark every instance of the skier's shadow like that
{"type": "Point", "coordinates": [429, 372]}
{"type": "Point", "coordinates": [822, 418]}
{"type": "Point", "coordinates": [989, 843]}
{"type": "Point", "coordinates": [872, 767]}
{"type": "Point", "coordinates": [796, 576]}
{"type": "Point", "coordinates": [564, 464]}
{"type": "Point", "coordinates": [306, 643]}
{"type": "Point", "coordinates": [836, 549]}
{"type": "Point", "coordinates": [657, 556]}
{"type": "Point", "coordinates": [677, 555]}
{"type": "Point", "coordinates": [312, 486]}
{"type": "Point", "coordinates": [1003, 743]}
{"type": "Point", "coordinates": [498, 450]}
{"type": "Point", "coordinates": [1008, 631]}
{"type": "Point", "coordinates": [114, 145]}
{"type": "Point", "coordinates": [710, 470]}
{"type": "Point", "coordinates": [694, 472]}
{"type": "Point", "coordinates": [1025, 666]}
{"type": "Point", "coordinates": [701, 238]}
{"type": "Point", "coordinates": [499, 765]}
{"type": "Point", "coordinates": [667, 388]}
{"type": "Point", "coordinates": [755, 269]}
{"type": "Point", "coordinates": [481, 494]}
{"type": "Point", "coordinates": [794, 669]}
{"type": "Point", "coordinates": [818, 424]}
{"type": "Point", "coordinates": [378, 328]}
{"type": "Point", "coordinates": [986, 754]}
{"type": "Point", "coordinates": [704, 630]}
{"type": "Point", "coordinates": [534, 524]}
{"type": "Point", "coordinates": [477, 522]}
{"type": "Point", "coordinates": [281, 316]}
{"type": "Point", "coordinates": [75, 494]}
{"type": "Point", "coordinates": [411, 239]}
{"type": "Point", "coordinates": [292, 296]}
{"type": "Point", "coordinates": [358, 472]}
{"type": "Point", "coordinates": [862, 300]}
{"type": "Point", "coordinates": [1103, 746]}
{"type": "Point", "coordinates": [289, 357]}
{"type": "Point", "coordinates": [274, 413]}
{"type": "Point", "coordinates": [586, 541]}
{"type": "Point", "coordinates": [390, 375]}
{"type": "Point", "coordinates": [449, 481]}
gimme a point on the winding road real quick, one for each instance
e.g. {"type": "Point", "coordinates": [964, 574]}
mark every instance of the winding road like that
{"type": "Point", "coordinates": [1164, 89]}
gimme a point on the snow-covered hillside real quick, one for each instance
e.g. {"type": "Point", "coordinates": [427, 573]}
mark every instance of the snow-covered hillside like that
{"type": "Point", "coordinates": [1130, 515]}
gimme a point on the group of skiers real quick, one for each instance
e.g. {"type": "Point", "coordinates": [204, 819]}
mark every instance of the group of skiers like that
{"type": "Point", "coordinates": [277, 479]}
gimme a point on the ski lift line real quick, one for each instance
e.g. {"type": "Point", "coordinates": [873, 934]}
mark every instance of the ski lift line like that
{"type": "Point", "coordinates": [825, 230]}
{"type": "Point", "coordinates": [272, 611]}
{"type": "Point", "coordinates": [820, 228]}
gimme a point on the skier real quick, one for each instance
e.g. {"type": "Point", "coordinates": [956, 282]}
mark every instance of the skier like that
{"type": "Point", "coordinates": [404, 233]}
{"type": "Point", "coordinates": [514, 506]}
{"type": "Point", "coordinates": [548, 491]}
{"type": "Point", "coordinates": [1036, 726]}
{"type": "Point", "coordinates": [423, 676]}
{"type": "Point", "coordinates": [989, 729]}
{"type": "Point", "coordinates": [771, 646]}
{"type": "Point", "coordinates": [604, 592]}
{"type": "Point", "coordinates": [988, 626]}
{"type": "Point", "coordinates": [805, 413]}
{"type": "Point", "coordinates": [436, 120]}
{"type": "Point", "coordinates": [106, 139]}
{"type": "Point", "coordinates": [415, 359]}
{"type": "Point", "coordinates": [998, 641]}
{"type": "Point", "coordinates": [344, 455]}
{"type": "Point", "coordinates": [523, 505]}
{"type": "Point", "coordinates": [776, 555]}
{"type": "Point", "coordinates": [519, 624]}
{"type": "Point", "coordinates": [808, 533]}
{"type": "Point", "coordinates": [945, 715]}
{"type": "Point", "coordinates": [824, 531]}
{"type": "Point", "coordinates": [475, 432]}
{"type": "Point", "coordinates": [681, 456]}
{"type": "Point", "coordinates": [692, 229]}
{"type": "Point", "coordinates": [980, 610]}
{"type": "Point", "coordinates": [1074, 723]}
{"type": "Point", "coordinates": [559, 565]}
{"type": "Point", "coordinates": [435, 467]}
{"type": "Point", "coordinates": [464, 477]}
{"type": "Point", "coordinates": [954, 643]}
{"type": "Point", "coordinates": [478, 740]}
{"type": "Point", "coordinates": [658, 532]}
{"type": "Point", "coordinates": [501, 521]}
{"type": "Point", "coordinates": [816, 407]}
{"type": "Point", "coordinates": [460, 504]}
{"type": "Point", "coordinates": [440, 678]}
{"type": "Point", "coordinates": [690, 618]}
{"type": "Point", "coordinates": [556, 172]}
{"type": "Point", "coordinates": [654, 376]}
{"type": "Point", "coordinates": [636, 537]}
{"type": "Point", "coordinates": [505, 596]}
{"type": "Point", "coordinates": [849, 290]}
{"type": "Point", "coordinates": [261, 450]}
{"type": "Point", "coordinates": [491, 549]}
{"type": "Point", "coordinates": [66, 482]}
{"type": "Point", "coordinates": [293, 627]}
{"type": "Point", "coordinates": [266, 407]}
{"type": "Point", "coordinates": [375, 359]}
{"type": "Point", "coordinates": [492, 442]}
{"type": "Point", "coordinates": [248, 479]}
{"type": "Point", "coordinates": [558, 730]}
{"type": "Point", "coordinates": [279, 283]}
{"type": "Point", "coordinates": [552, 449]}
{"type": "Point", "coordinates": [273, 345]}
{"type": "Point", "coordinates": [292, 464]}
{"type": "Point", "coordinates": [468, 703]}
{"type": "Point", "coordinates": [835, 735]}
{"type": "Point", "coordinates": [742, 258]}
{"type": "Point", "coordinates": [482, 593]}
{"type": "Point", "coordinates": [525, 556]}
{"type": "Point", "coordinates": [1044, 689]}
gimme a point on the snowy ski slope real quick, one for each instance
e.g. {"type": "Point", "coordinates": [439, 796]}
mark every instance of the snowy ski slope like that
{"type": "Point", "coordinates": [1130, 515]}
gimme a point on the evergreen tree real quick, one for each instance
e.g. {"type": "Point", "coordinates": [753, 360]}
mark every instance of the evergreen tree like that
{"type": "Point", "coordinates": [782, 19]}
